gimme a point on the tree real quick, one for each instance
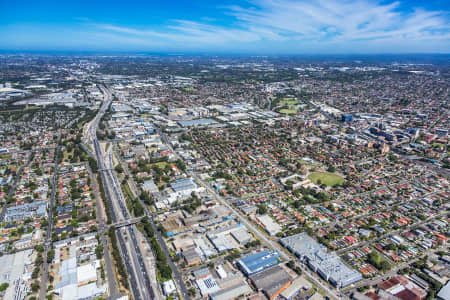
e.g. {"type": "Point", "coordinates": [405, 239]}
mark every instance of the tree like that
{"type": "Point", "coordinates": [4, 286]}
{"type": "Point", "coordinates": [262, 209]}
{"type": "Point", "coordinates": [35, 286]}
{"type": "Point", "coordinates": [99, 251]}
{"type": "Point", "coordinates": [119, 169]}
{"type": "Point", "coordinates": [39, 259]}
{"type": "Point", "coordinates": [50, 255]}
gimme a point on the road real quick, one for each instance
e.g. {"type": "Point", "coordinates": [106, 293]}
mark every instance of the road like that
{"type": "Point", "coordinates": [177, 276]}
{"type": "Point", "coordinates": [137, 275]}
{"type": "Point", "coordinates": [389, 234]}
{"type": "Point", "coordinates": [13, 187]}
{"type": "Point", "coordinates": [101, 217]}
{"type": "Point", "coordinates": [391, 273]}
{"type": "Point", "coordinates": [48, 238]}
{"type": "Point", "coordinates": [266, 241]}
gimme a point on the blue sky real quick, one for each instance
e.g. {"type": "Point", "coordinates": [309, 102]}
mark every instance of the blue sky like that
{"type": "Point", "coordinates": [255, 26]}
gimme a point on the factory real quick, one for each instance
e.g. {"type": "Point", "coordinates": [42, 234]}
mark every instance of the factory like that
{"type": "Point", "coordinates": [328, 265]}
{"type": "Point", "coordinates": [254, 263]}
{"type": "Point", "coordinates": [196, 122]}
{"type": "Point", "coordinates": [272, 281]}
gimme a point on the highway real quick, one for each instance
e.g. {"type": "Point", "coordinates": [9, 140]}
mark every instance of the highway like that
{"type": "Point", "coordinates": [132, 258]}
{"type": "Point", "coordinates": [177, 276]}
{"type": "Point", "coordinates": [101, 217]}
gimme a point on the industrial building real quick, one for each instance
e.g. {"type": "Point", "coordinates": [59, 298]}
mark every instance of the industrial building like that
{"type": "Point", "coordinates": [196, 123]}
{"type": "Point", "coordinates": [183, 188]}
{"type": "Point", "coordinates": [13, 270]}
{"type": "Point", "coordinates": [221, 237]}
{"type": "Point", "coordinates": [150, 186]}
{"type": "Point", "coordinates": [207, 285]}
{"type": "Point", "coordinates": [231, 292]}
{"type": "Point", "coordinates": [254, 263]}
{"type": "Point", "coordinates": [298, 285]}
{"type": "Point", "coordinates": [327, 264]}
{"type": "Point", "coordinates": [272, 281]}
{"type": "Point", "coordinates": [347, 117]}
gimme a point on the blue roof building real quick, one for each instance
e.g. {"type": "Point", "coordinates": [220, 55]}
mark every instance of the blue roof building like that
{"type": "Point", "coordinates": [347, 117]}
{"type": "Point", "coordinates": [254, 263]}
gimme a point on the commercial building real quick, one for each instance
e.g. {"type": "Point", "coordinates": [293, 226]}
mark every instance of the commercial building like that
{"type": "Point", "coordinates": [241, 235]}
{"type": "Point", "coordinates": [221, 237]}
{"type": "Point", "coordinates": [168, 287]}
{"type": "Point", "coordinates": [191, 256]}
{"type": "Point", "coordinates": [254, 263]}
{"type": "Point", "coordinates": [88, 272]}
{"type": "Point", "coordinates": [327, 264]}
{"type": "Point", "coordinates": [24, 211]}
{"type": "Point", "coordinates": [269, 225]}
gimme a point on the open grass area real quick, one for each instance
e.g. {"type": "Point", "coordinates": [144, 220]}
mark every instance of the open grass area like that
{"type": "Point", "coordinates": [288, 106]}
{"type": "Point", "coordinates": [31, 108]}
{"type": "Point", "coordinates": [6, 156]}
{"type": "Point", "coordinates": [329, 179]}
{"type": "Point", "coordinates": [161, 164]}
{"type": "Point", "coordinates": [189, 89]}
{"type": "Point", "coordinates": [288, 101]}
{"type": "Point", "coordinates": [288, 111]}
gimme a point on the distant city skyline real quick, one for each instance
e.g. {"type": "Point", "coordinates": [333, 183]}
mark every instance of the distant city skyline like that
{"type": "Point", "coordinates": [258, 27]}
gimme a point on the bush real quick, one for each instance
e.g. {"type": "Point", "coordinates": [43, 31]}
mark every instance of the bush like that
{"type": "Point", "coordinates": [3, 286]}
{"type": "Point", "coordinates": [378, 262]}
{"type": "Point", "coordinates": [118, 258]}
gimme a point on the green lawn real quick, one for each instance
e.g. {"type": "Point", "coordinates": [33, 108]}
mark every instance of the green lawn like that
{"type": "Point", "coordinates": [288, 106]}
{"type": "Point", "coordinates": [31, 107]}
{"type": "Point", "coordinates": [288, 101]}
{"type": "Point", "coordinates": [6, 156]}
{"type": "Point", "coordinates": [189, 89]}
{"type": "Point", "coordinates": [330, 179]}
{"type": "Point", "coordinates": [161, 164]}
{"type": "Point", "coordinates": [288, 111]}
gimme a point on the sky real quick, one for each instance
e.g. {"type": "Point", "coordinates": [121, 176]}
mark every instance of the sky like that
{"type": "Point", "coordinates": [227, 26]}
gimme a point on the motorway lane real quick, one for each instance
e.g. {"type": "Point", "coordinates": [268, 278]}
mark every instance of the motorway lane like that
{"type": "Point", "coordinates": [178, 279]}
{"type": "Point", "coordinates": [138, 279]}
{"type": "Point", "coordinates": [112, 284]}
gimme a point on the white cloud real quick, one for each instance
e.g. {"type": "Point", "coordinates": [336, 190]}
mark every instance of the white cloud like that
{"type": "Point", "coordinates": [322, 22]}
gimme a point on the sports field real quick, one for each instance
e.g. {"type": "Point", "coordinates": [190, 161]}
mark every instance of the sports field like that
{"type": "Point", "coordinates": [327, 178]}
